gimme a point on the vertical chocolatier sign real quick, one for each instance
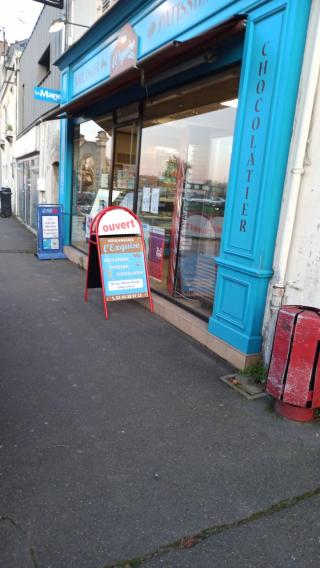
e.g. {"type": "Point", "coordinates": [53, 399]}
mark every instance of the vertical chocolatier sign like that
{"type": "Point", "coordinates": [117, 257]}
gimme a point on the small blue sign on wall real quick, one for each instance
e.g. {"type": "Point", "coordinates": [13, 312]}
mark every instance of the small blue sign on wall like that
{"type": "Point", "coordinates": [50, 232]}
{"type": "Point", "coordinates": [47, 95]}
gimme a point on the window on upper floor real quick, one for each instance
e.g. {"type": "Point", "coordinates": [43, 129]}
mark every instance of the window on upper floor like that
{"type": "Point", "coordinates": [43, 65]}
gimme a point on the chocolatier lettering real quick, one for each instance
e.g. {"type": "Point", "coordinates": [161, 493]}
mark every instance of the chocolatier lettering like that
{"type": "Point", "coordinates": [255, 125]}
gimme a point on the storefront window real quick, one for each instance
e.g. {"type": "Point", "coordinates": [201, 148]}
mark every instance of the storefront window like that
{"type": "Point", "coordinates": [176, 181]}
{"type": "Point", "coordinates": [184, 168]}
{"type": "Point", "coordinates": [91, 168]}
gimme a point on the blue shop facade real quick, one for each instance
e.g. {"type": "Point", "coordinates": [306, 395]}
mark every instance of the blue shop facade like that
{"type": "Point", "coordinates": [182, 110]}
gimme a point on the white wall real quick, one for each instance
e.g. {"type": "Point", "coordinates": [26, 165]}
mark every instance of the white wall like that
{"type": "Point", "coordinates": [8, 125]}
{"type": "Point", "coordinates": [296, 263]}
{"type": "Point", "coordinates": [303, 270]}
{"type": "Point", "coordinates": [80, 12]}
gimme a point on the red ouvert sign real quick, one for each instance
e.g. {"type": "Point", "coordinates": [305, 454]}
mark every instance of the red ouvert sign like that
{"type": "Point", "coordinates": [117, 257]}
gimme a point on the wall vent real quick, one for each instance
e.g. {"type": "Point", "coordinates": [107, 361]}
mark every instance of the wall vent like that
{"type": "Point", "coordinates": [105, 5]}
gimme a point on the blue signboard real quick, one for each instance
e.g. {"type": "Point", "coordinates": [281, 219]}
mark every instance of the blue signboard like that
{"type": "Point", "coordinates": [50, 233]}
{"type": "Point", "coordinates": [123, 268]}
{"type": "Point", "coordinates": [47, 95]}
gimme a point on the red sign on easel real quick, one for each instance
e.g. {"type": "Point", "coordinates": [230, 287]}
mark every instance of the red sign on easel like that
{"type": "Point", "coordinates": [117, 257]}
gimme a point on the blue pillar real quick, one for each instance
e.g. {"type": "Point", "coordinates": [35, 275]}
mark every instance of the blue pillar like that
{"type": "Point", "coordinates": [65, 176]}
{"type": "Point", "coordinates": [273, 53]}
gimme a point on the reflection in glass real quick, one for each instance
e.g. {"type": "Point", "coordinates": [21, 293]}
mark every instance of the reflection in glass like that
{"type": "Point", "coordinates": [125, 166]}
{"type": "Point", "coordinates": [91, 167]}
{"type": "Point", "coordinates": [182, 191]}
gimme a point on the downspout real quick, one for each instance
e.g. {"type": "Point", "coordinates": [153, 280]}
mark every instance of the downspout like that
{"type": "Point", "coordinates": [296, 163]}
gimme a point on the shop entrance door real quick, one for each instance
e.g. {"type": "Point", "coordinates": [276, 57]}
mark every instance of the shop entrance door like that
{"type": "Point", "coordinates": [125, 165]}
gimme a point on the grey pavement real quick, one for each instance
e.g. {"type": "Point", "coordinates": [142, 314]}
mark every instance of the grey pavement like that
{"type": "Point", "coordinates": [118, 442]}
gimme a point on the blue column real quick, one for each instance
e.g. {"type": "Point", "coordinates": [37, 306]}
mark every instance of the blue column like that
{"type": "Point", "coordinates": [65, 175]}
{"type": "Point", "coordinates": [273, 53]}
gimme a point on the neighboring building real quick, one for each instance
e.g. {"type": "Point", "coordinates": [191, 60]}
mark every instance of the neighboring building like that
{"type": "Point", "coordinates": [9, 71]}
{"type": "Point", "coordinates": [36, 151]}
{"type": "Point", "coordinates": [196, 105]}
{"type": "Point", "coordinates": [37, 147]}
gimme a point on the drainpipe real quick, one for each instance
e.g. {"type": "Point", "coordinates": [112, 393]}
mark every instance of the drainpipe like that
{"type": "Point", "coordinates": [295, 171]}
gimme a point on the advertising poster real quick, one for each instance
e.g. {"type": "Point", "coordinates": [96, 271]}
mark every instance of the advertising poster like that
{"type": "Point", "coordinates": [50, 232]}
{"type": "Point", "coordinates": [154, 205]}
{"type": "Point", "coordinates": [145, 199]}
{"type": "Point", "coordinates": [123, 268]}
{"type": "Point", "coordinates": [156, 252]}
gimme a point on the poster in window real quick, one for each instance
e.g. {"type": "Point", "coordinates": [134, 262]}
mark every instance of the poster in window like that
{"type": "Point", "coordinates": [146, 199]}
{"type": "Point", "coordinates": [156, 252]}
{"type": "Point", "coordinates": [155, 196]}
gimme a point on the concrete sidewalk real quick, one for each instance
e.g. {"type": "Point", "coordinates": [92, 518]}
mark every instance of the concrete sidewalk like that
{"type": "Point", "coordinates": [120, 444]}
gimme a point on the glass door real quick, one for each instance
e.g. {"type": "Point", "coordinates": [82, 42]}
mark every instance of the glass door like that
{"type": "Point", "coordinates": [209, 148]}
{"type": "Point", "coordinates": [125, 155]}
{"type": "Point", "coordinates": [158, 197]}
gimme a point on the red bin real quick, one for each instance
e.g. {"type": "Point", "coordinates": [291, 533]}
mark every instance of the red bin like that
{"type": "Point", "coordinates": [294, 371]}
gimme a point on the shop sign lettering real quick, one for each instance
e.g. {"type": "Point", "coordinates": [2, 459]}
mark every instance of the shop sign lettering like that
{"type": "Point", "coordinates": [125, 52]}
{"type": "Point", "coordinates": [97, 69]}
{"type": "Point", "coordinates": [254, 128]}
{"type": "Point", "coordinates": [47, 95]}
{"type": "Point", "coordinates": [115, 227]}
{"type": "Point", "coordinates": [118, 222]}
{"type": "Point", "coordinates": [172, 14]}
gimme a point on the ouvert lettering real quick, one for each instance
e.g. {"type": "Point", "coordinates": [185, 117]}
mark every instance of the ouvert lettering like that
{"type": "Point", "coordinates": [117, 226]}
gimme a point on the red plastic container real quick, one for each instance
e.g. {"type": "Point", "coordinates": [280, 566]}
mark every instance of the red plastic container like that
{"type": "Point", "coordinates": [294, 372]}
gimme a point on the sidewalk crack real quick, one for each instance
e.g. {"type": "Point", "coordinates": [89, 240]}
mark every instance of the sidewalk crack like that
{"type": "Point", "coordinates": [197, 538]}
{"type": "Point", "coordinates": [20, 528]}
